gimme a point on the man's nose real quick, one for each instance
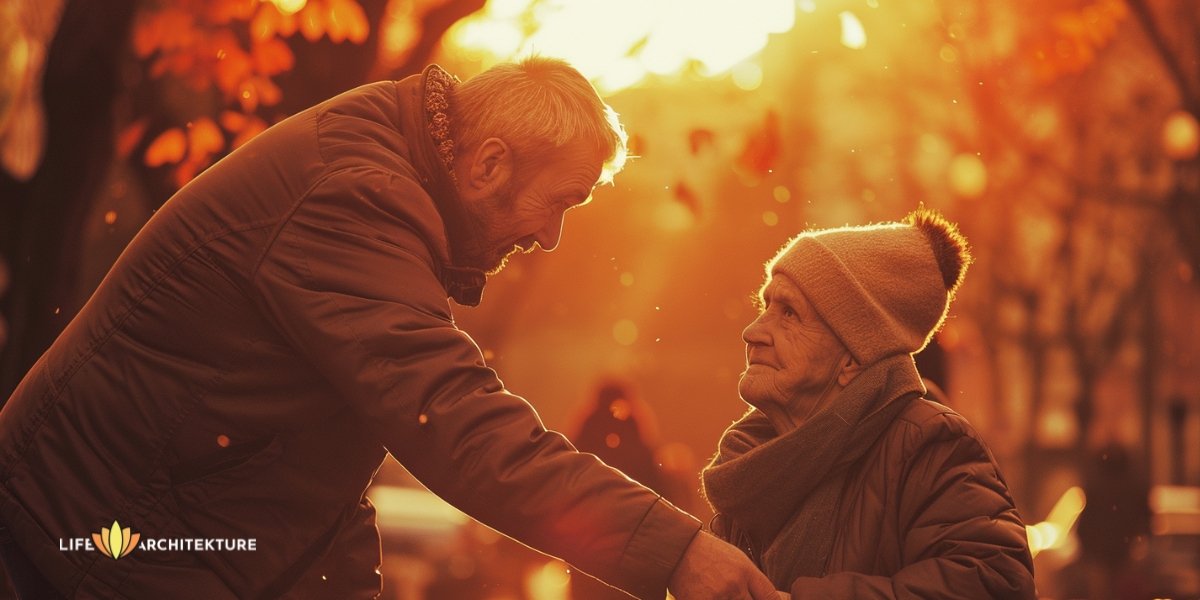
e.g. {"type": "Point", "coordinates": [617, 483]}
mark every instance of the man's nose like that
{"type": "Point", "coordinates": [551, 234]}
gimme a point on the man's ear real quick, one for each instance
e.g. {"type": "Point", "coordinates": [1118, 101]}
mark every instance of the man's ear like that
{"type": "Point", "coordinates": [490, 168]}
{"type": "Point", "coordinates": [849, 370]}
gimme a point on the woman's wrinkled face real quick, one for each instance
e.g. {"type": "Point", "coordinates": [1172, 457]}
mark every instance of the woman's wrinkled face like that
{"type": "Point", "coordinates": [790, 351]}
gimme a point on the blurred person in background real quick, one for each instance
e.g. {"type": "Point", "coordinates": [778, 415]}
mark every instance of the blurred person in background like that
{"type": "Point", "coordinates": [843, 481]}
{"type": "Point", "coordinates": [620, 428]}
{"type": "Point", "coordinates": [1115, 520]}
{"type": "Point", "coordinates": [282, 323]}
{"type": "Point", "coordinates": [617, 427]}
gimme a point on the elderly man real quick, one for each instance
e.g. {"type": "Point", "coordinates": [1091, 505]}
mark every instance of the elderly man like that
{"type": "Point", "coordinates": [842, 481]}
{"type": "Point", "coordinates": [282, 324]}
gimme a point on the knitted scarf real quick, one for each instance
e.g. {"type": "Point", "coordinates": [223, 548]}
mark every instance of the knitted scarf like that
{"type": "Point", "coordinates": [776, 497]}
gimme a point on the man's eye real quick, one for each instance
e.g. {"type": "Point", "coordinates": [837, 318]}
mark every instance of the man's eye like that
{"type": "Point", "coordinates": [789, 313]}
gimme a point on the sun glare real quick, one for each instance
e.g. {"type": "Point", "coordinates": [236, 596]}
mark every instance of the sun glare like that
{"type": "Point", "coordinates": [853, 34]}
{"type": "Point", "coordinates": [620, 43]}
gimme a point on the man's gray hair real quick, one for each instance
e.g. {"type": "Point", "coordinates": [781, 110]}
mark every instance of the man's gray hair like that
{"type": "Point", "coordinates": [536, 106]}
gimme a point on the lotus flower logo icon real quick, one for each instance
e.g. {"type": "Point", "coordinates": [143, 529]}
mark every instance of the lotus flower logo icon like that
{"type": "Point", "coordinates": [114, 541]}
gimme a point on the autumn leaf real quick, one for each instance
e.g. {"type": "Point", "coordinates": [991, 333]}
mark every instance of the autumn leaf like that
{"type": "Point", "coordinates": [168, 147]}
{"type": "Point", "coordinates": [233, 121]}
{"type": "Point", "coordinates": [269, 94]}
{"type": "Point", "coordinates": [232, 70]}
{"type": "Point", "coordinates": [221, 12]}
{"type": "Point", "coordinates": [266, 22]}
{"type": "Point", "coordinates": [253, 127]}
{"type": "Point", "coordinates": [345, 20]}
{"type": "Point", "coordinates": [236, 47]}
{"type": "Point", "coordinates": [272, 57]}
{"type": "Point", "coordinates": [357, 26]}
{"type": "Point", "coordinates": [312, 21]}
{"type": "Point", "coordinates": [146, 34]}
{"type": "Point", "coordinates": [185, 172]}
{"type": "Point", "coordinates": [177, 29]}
{"type": "Point", "coordinates": [204, 139]}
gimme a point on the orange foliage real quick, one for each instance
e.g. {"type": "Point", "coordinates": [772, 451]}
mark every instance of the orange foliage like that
{"type": "Point", "coordinates": [168, 147]}
{"type": "Point", "coordinates": [1068, 39]}
{"type": "Point", "coordinates": [198, 43]}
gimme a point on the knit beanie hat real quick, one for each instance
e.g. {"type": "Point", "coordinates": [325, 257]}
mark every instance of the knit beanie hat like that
{"type": "Point", "coordinates": [883, 289]}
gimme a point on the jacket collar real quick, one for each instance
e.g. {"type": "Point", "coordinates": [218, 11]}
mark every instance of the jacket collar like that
{"type": "Point", "coordinates": [424, 102]}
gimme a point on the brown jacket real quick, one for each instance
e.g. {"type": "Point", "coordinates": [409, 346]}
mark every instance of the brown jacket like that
{"type": "Point", "coordinates": [274, 331]}
{"type": "Point", "coordinates": [923, 514]}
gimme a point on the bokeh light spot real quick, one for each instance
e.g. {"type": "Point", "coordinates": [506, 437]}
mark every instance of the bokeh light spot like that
{"type": "Point", "coordinates": [968, 175]}
{"type": "Point", "coordinates": [625, 332]}
{"type": "Point", "coordinates": [1181, 135]}
{"type": "Point", "coordinates": [782, 194]}
{"type": "Point", "coordinates": [747, 76]}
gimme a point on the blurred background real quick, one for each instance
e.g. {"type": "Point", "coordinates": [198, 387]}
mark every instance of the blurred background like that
{"type": "Point", "coordinates": [1061, 134]}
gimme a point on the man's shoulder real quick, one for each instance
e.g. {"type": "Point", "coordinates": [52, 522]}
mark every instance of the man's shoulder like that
{"type": "Point", "coordinates": [364, 126]}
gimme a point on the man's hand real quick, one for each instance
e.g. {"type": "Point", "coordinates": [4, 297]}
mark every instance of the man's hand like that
{"type": "Point", "coordinates": [711, 569]}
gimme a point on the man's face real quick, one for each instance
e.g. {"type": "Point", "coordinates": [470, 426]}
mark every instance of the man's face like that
{"type": "Point", "coordinates": [790, 351]}
{"type": "Point", "coordinates": [531, 210]}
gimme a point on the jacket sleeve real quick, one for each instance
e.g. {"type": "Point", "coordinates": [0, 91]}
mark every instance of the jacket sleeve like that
{"type": "Point", "coordinates": [962, 537]}
{"type": "Point", "coordinates": [351, 286]}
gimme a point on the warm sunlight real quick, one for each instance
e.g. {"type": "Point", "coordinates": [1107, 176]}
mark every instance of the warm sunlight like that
{"type": "Point", "coordinates": [619, 43]}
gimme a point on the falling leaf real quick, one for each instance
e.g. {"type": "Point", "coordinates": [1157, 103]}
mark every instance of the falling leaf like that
{"type": "Point", "coordinates": [636, 145]}
{"type": "Point", "coordinates": [168, 147]}
{"type": "Point", "coordinates": [699, 139]}
{"type": "Point", "coordinates": [762, 148]}
{"type": "Point", "coordinates": [687, 197]}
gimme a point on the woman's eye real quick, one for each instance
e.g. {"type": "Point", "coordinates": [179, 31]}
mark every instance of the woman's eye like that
{"type": "Point", "coordinates": [789, 313]}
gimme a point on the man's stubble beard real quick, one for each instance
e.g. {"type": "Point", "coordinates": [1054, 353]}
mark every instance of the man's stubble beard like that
{"type": "Point", "coordinates": [478, 248]}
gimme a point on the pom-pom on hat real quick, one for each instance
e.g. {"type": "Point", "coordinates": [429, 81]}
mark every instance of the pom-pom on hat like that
{"type": "Point", "coordinates": [883, 289]}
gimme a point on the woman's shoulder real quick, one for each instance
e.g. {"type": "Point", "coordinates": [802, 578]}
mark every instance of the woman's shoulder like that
{"type": "Point", "coordinates": [925, 424]}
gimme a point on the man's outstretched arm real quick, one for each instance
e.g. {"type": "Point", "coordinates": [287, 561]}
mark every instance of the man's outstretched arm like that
{"type": "Point", "coordinates": [352, 287]}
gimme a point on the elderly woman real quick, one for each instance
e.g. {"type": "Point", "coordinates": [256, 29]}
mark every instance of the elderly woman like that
{"type": "Point", "coordinates": [843, 481]}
